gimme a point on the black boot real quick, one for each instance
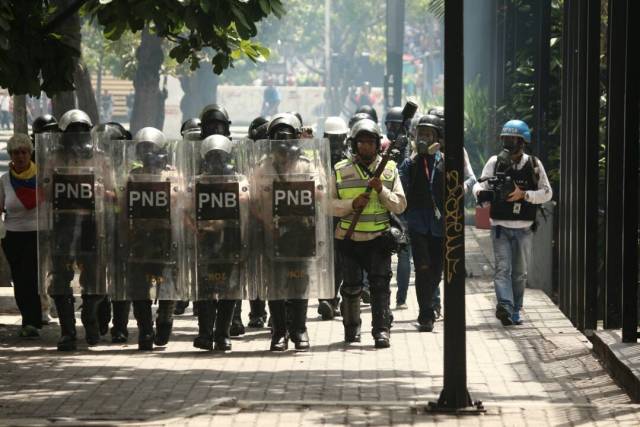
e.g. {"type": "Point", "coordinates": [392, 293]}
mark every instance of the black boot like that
{"type": "Point", "coordinates": [325, 309]}
{"type": "Point", "coordinates": [298, 325]}
{"type": "Point", "coordinates": [206, 314]}
{"type": "Point", "coordinates": [119, 331]}
{"type": "Point", "coordinates": [104, 315]}
{"type": "Point", "coordinates": [381, 319]}
{"type": "Point", "coordinates": [221, 334]}
{"type": "Point", "coordinates": [350, 309]}
{"type": "Point", "coordinates": [237, 328]}
{"type": "Point", "coordinates": [258, 314]}
{"type": "Point", "coordinates": [279, 338]}
{"type": "Point", "coordinates": [181, 306]}
{"type": "Point", "coordinates": [164, 322]}
{"type": "Point", "coordinates": [67, 319]}
{"type": "Point", "coordinates": [142, 313]}
{"type": "Point", "coordinates": [89, 316]}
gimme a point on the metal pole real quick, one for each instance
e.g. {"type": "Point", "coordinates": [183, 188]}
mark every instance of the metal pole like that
{"type": "Point", "coordinates": [592, 151]}
{"type": "Point", "coordinates": [454, 396]}
{"type": "Point", "coordinates": [615, 159]}
{"type": "Point", "coordinates": [395, 47]}
{"type": "Point", "coordinates": [327, 57]}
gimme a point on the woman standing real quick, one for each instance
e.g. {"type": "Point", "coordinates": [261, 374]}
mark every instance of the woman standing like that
{"type": "Point", "coordinates": [20, 244]}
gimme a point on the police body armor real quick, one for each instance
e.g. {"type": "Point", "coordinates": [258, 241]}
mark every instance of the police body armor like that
{"type": "Point", "coordinates": [73, 232]}
{"type": "Point", "coordinates": [151, 223]}
{"type": "Point", "coordinates": [296, 224]}
{"type": "Point", "coordinates": [217, 208]}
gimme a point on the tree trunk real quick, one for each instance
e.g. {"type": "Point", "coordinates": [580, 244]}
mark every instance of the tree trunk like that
{"type": "Point", "coordinates": [146, 83]}
{"type": "Point", "coordinates": [20, 114]}
{"type": "Point", "coordinates": [69, 30]}
{"type": "Point", "coordinates": [200, 89]}
{"type": "Point", "coordinates": [84, 92]}
{"type": "Point", "coordinates": [62, 102]}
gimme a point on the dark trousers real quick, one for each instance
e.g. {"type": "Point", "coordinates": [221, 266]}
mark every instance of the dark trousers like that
{"type": "Point", "coordinates": [427, 262]}
{"type": "Point", "coordinates": [374, 258]}
{"type": "Point", "coordinates": [21, 250]}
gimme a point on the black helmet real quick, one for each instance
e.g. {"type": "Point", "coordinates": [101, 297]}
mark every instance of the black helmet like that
{"type": "Point", "coordinates": [368, 109]}
{"type": "Point", "coordinates": [113, 131]}
{"type": "Point", "coordinates": [364, 126]}
{"type": "Point", "coordinates": [44, 123]}
{"type": "Point", "coordinates": [284, 126]}
{"type": "Point", "coordinates": [298, 116]}
{"type": "Point", "coordinates": [394, 115]}
{"type": "Point", "coordinates": [357, 117]}
{"type": "Point", "coordinates": [258, 128]}
{"type": "Point", "coordinates": [433, 121]}
{"type": "Point", "coordinates": [191, 125]}
{"type": "Point", "coordinates": [211, 115]}
{"type": "Point", "coordinates": [75, 121]}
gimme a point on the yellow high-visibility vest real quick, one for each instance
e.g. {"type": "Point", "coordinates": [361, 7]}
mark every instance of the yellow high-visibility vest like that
{"type": "Point", "coordinates": [351, 181]}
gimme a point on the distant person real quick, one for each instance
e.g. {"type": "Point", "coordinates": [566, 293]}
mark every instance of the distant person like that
{"type": "Point", "coordinates": [20, 244]}
{"type": "Point", "coordinates": [106, 105]}
{"type": "Point", "coordinates": [270, 100]}
{"type": "Point", "coordinates": [364, 97]}
{"type": "Point", "coordinates": [129, 99]}
{"type": "Point", "coordinates": [5, 112]}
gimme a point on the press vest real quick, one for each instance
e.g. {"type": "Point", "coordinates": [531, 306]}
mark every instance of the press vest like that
{"type": "Point", "coordinates": [351, 181]}
{"type": "Point", "coordinates": [521, 210]}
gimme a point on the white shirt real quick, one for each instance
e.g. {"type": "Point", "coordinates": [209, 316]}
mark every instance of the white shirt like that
{"type": "Point", "coordinates": [16, 217]}
{"type": "Point", "coordinates": [543, 194]}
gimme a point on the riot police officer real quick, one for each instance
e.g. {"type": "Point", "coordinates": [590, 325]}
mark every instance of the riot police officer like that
{"type": "Point", "coordinates": [152, 235]}
{"type": "Point", "coordinates": [219, 212]}
{"type": "Point", "coordinates": [335, 131]}
{"type": "Point", "coordinates": [75, 181]}
{"type": "Point", "coordinates": [368, 110]}
{"type": "Point", "coordinates": [394, 123]}
{"type": "Point", "coordinates": [258, 314]}
{"type": "Point", "coordinates": [114, 137]}
{"type": "Point", "coordinates": [191, 132]}
{"type": "Point", "coordinates": [215, 121]}
{"type": "Point", "coordinates": [294, 228]}
{"type": "Point", "coordinates": [369, 247]}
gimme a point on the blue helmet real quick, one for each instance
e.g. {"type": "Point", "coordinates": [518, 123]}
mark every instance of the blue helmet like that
{"type": "Point", "coordinates": [516, 128]}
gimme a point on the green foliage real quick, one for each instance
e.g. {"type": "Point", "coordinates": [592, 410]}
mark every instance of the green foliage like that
{"type": "Point", "coordinates": [38, 52]}
{"type": "Point", "coordinates": [477, 116]}
{"type": "Point", "coordinates": [29, 51]}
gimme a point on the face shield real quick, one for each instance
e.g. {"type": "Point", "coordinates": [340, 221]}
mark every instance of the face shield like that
{"type": "Point", "coordinates": [214, 127]}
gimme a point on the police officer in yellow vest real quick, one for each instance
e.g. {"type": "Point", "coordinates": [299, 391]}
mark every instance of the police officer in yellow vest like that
{"type": "Point", "coordinates": [368, 247]}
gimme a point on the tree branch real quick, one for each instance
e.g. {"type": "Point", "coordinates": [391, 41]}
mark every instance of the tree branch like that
{"type": "Point", "coordinates": [63, 16]}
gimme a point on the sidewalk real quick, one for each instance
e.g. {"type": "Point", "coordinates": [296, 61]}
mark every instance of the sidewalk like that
{"type": "Point", "coordinates": [540, 373]}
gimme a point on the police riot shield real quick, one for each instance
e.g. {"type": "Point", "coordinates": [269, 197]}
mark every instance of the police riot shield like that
{"type": "Point", "coordinates": [151, 222]}
{"type": "Point", "coordinates": [293, 214]}
{"type": "Point", "coordinates": [74, 189]}
{"type": "Point", "coordinates": [217, 205]}
{"type": "Point", "coordinates": [116, 150]}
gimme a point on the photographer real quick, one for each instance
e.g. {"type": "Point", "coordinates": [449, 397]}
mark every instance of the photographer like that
{"type": "Point", "coordinates": [514, 183]}
{"type": "Point", "coordinates": [422, 178]}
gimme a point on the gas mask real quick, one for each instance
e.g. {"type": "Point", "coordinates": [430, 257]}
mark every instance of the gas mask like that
{"type": "Point", "coordinates": [151, 156]}
{"type": "Point", "coordinates": [77, 144]}
{"type": "Point", "coordinates": [512, 144]}
{"type": "Point", "coordinates": [426, 141]}
{"type": "Point", "coordinates": [393, 130]}
{"type": "Point", "coordinates": [216, 162]}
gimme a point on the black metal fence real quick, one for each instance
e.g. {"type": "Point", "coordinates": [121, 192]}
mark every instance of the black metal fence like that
{"type": "Point", "coordinates": [580, 297]}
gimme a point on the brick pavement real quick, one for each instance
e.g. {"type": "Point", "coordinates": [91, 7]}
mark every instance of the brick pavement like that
{"type": "Point", "coordinates": [540, 373]}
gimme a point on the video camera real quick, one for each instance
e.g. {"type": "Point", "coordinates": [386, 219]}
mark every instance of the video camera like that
{"type": "Point", "coordinates": [501, 185]}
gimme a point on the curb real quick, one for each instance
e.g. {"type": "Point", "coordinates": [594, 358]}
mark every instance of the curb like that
{"type": "Point", "coordinates": [614, 362]}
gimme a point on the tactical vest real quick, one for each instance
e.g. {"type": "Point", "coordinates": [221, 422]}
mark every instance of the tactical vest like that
{"type": "Point", "coordinates": [526, 179]}
{"type": "Point", "coordinates": [352, 181]}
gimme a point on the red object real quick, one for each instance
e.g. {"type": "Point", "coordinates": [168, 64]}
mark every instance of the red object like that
{"type": "Point", "coordinates": [482, 218]}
